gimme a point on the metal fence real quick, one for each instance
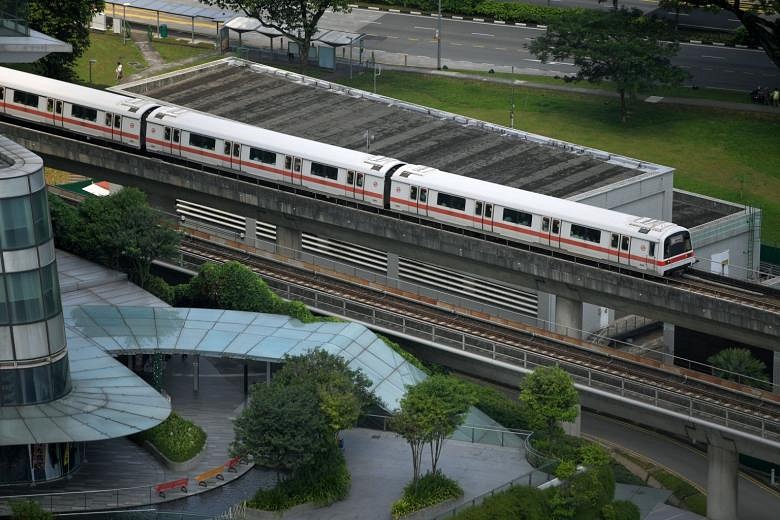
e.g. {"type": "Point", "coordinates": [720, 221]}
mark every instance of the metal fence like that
{"type": "Point", "coordinates": [81, 501]}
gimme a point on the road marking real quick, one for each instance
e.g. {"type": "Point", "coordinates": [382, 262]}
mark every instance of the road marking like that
{"type": "Point", "coordinates": [414, 39]}
{"type": "Point", "coordinates": [378, 23]}
{"type": "Point", "coordinates": [393, 37]}
{"type": "Point", "coordinates": [678, 14]}
{"type": "Point", "coordinates": [456, 44]}
{"type": "Point", "coordinates": [714, 57]}
{"type": "Point", "coordinates": [428, 28]}
{"type": "Point", "coordinates": [533, 60]}
{"type": "Point", "coordinates": [734, 20]}
{"type": "Point", "coordinates": [479, 46]}
{"type": "Point", "coordinates": [500, 48]}
{"type": "Point", "coordinates": [483, 34]}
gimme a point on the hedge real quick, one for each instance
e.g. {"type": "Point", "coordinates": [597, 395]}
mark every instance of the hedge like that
{"type": "Point", "coordinates": [176, 438]}
{"type": "Point", "coordinates": [620, 510]}
{"type": "Point", "coordinates": [502, 409]}
{"type": "Point", "coordinates": [432, 489]}
{"type": "Point", "coordinates": [518, 503]}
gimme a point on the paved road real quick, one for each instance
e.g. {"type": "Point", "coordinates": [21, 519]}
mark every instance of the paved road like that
{"type": "Point", "coordinates": [756, 501]}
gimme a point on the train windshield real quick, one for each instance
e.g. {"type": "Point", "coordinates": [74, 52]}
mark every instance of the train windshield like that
{"type": "Point", "coordinates": [677, 244]}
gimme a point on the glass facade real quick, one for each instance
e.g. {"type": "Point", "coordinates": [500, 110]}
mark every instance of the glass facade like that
{"type": "Point", "coordinates": [33, 362]}
{"type": "Point", "coordinates": [25, 463]}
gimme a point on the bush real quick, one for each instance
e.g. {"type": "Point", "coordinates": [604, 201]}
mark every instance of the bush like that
{"type": "Point", "coordinates": [325, 481]}
{"type": "Point", "coordinates": [176, 438]}
{"type": "Point", "coordinates": [29, 510]}
{"type": "Point", "coordinates": [409, 358]}
{"type": "Point", "coordinates": [512, 12]}
{"type": "Point", "coordinates": [160, 288]}
{"type": "Point", "coordinates": [620, 510]}
{"type": "Point", "coordinates": [584, 496]}
{"type": "Point", "coordinates": [64, 220]}
{"type": "Point", "coordinates": [430, 490]}
{"type": "Point", "coordinates": [561, 447]}
{"type": "Point", "coordinates": [624, 476]}
{"type": "Point", "coordinates": [517, 503]}
{"type": "Point", "coordinates": [505, 411]}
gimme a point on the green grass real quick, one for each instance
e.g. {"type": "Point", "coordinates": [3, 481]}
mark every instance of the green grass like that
{"type": "Point", "coordinates": [173, 51]}
{"type": "Point", "coordinates": [106, 50]}
{"type": "Point", "coordinates": [725, 154]}
{"type": "Point", "coordinates": [693, 499]}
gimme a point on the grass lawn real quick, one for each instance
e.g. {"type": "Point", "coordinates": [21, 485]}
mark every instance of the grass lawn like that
{"type": "Point", "coordinates": [173, 50]}
{"type": "Point", "coordinates": [106, 50]}
{"type": "Point", "coordinates": [725, 154]}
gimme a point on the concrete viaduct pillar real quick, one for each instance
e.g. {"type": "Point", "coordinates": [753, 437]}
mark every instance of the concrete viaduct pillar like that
{"type": "Point", "coordinates": [250, 232]}
{"type": "Point", "coordinates": [722, 465]}
{"type": "Point", "coordinates": [392, 269]}
{"type": "Point", "coordinates": [568, 317]}
{"type": "Point", "coordinates": [288, 241]}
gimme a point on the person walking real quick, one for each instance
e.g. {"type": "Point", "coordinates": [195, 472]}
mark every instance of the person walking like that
{"type": "Point", "coordinates": [776, 97]}
{"type": "Point", "coordinates": [118, 71]}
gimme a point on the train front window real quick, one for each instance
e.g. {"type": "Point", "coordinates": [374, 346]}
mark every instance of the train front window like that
{"type": "Point", "coordinates": [677, 244]}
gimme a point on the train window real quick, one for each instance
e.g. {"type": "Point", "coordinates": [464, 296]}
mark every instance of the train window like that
{"type": "Point", "coordinates": [256, 154]}
{"type": "Point", "coordinates": [556, 227]}
{"type": "Point", "coordinates": [585, 233]}
{"type": "Point", "coordinates": [350, 178]}
{"type": "Point", "coordinates": [288, 163]}
{"type": "Point", "coordinates": [413, 193]}
{"type": "Point", "coordinates": [423, 195]}
{"type": "Point", "coordinates": [50, 105]}
{"type": "Point", "coordinates": [360, 180]}
{"type": "Point", "coordinates": [108, 119]}
{"type": "Point", "coordinates": [236, 149]}
{"type": "Point", "coordinates": [624, 244]}
{"type": "Point", "coordinates": [517, 217]}
{"type": "Point", "coordinates": [451, 201]}
{"type": "Point", "coordinates": [117, 121]}
{"type": "Point", "coordinates": [651, 251]}
{"type": "Point", "coordinates": [176, 134]}
{"type": "Point", "coordinates": [478, 209]}
{"type": "Point", "coordinates": [227, 148]}
{"type": "Point", "coordinates": [322, 170]}
{"type": "Point", "coordinates": [545, 224]}
{"type": "Point", "coordinates": [202, 141]}
{"type": "Point", "coordinates": [58, 108]}
{"type": "Point", "coordinates": [85, 113]}
{"type": "Point", "coordinates": [488, 211]}
{"type": "Point", "coordinates": [167, 134]}
{"type": "Point", "coordinates": [25, 98]}
{"type": "Point", "coordinates": [297, 165]}
{"type": "Point", "coordinates": [615, 241]}
{"type": "Point", "coordinates": [2, 93]}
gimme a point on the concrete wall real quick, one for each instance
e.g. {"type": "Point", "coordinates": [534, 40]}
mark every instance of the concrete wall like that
{"type": "Point", "coordinates": [648, 195]}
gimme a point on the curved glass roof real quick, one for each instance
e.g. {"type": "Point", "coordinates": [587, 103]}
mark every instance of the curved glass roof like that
{"type": "Point", "coordinates": [247, 335]}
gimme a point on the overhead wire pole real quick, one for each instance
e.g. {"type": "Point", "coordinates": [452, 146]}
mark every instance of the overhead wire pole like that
{"type": "Point", "coordinates": [438, 39]}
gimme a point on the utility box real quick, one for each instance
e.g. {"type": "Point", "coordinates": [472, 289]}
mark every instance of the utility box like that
{"type": "Point", "coordinates": [163, 30]}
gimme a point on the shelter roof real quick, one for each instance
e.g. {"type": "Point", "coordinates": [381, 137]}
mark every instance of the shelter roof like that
{"type": "Point", "coordinates": [177, 8]}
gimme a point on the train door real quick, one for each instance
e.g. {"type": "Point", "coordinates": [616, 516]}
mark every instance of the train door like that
{"type": "Point", "coordinates": [418, 198]}
{"type": "Point", "coordinates": [172, 138]}
{"type": "Point", "coordinates": [113, 127]}
{"type": "Point", "coordinates": [232, 155]}
{"type": "Point", "coordinates": [58, 113]}
{"type": "Point", "coordinates": [2, 99]}
{"type": "Point", "coordinates": [483, 213]}
{"type": "Point", "coordinates": [292, 169]}
{"type": "Point", "coordinates": [624, 256]}
{"type": "Point", "coordinates": [614, 247]}
{"type": "Point", "coordinates": [50, 106]}
{"type": "Point", "coordinates": [551, 231]}
{"type": "Point", "coordinates": [356, 185]}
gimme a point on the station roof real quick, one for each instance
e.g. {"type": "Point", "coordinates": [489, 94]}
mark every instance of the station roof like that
{"type": "Point", "coordinates": [18, 48]}
{"type": "Point", "coordinates": [255, 96]}
{"type": "Point", "coordinates": [691, 209]}
{"type": "Point", "coordinates": [178, 8]}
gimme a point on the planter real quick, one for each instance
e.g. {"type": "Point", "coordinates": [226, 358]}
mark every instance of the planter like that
{"type": "Point", "coordinates": [260, 514]}
{"type": "Point", "coordinates": [175, 466]}
{"type": "Point", "coordinates": [432, 511]}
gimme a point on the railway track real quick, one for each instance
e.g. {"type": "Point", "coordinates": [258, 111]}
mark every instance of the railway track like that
{"type": "Point", "coordinates": [680, 389]}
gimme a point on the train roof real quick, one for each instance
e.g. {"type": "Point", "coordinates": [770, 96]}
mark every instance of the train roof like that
{"type": "Point", "coordinates": [570, 211]}
{"type": "Point", "coordinates": [215, 126]}
{"type": "Point", "coordinates": [100, 99]}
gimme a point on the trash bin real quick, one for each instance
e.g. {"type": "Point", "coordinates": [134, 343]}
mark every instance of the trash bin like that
{"type": "Point", "coordinates": [163, 30]}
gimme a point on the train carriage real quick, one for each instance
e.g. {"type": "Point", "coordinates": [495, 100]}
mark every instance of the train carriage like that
{"type": "Point", "coordinates": [95, 113]}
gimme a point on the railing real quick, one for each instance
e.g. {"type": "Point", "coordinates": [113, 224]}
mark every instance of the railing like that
{"type": "Point", "coordinates": [79, 501]}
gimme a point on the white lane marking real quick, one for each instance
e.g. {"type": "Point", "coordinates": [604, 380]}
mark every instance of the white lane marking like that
{"type": "Point", "coordinates": [427, 28]}
{"type": "Point", "coordinates": [378, 23]}
{"type": "Point", "coordinates": [500, 48]}
{"type": "Point", "coordinates": [533, 60]}
{"type": "Point", "coordinates": [734, 20]}
{"type": "Point", "coordinates": [714, 57]}
{"type": "Point", "coordinates": [393, 37]}
{"type": "Point", "coordinates": [483, 34]}
{"type": "Point", "coordinates": [678, 14]}
{"type": "Point", "coordinates": [456, 44]}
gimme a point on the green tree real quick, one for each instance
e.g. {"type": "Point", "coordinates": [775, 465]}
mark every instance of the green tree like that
{"type": "Point", "coordinates": [549, 396]}
{"type": "Point", "coordinates": [632, 51]}
{"type": "Point", "coordinates": [343, 393]}
{"type": "Point", "coordinates": [67, 21]}
{"type": "Point", "coordinates": [763, 28]}
{"type": "Point", "coordinates": [738, 364]}
{"type": "Point", "coordinates": [431, 411]}
{"type": "Point", "coordinates": [29, 510]}
{"type": "Point", "coordinates": [282, 427]}
{"type": "Point", "coordinates": [64, 222]}
{"type": "Point", "coordinates": [297, 20]}
{"type": "Point", "coordinates": [121, 231]}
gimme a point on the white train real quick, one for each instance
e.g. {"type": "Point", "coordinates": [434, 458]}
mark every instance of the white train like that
{"type": "Point", "coordinates": [644, 244]}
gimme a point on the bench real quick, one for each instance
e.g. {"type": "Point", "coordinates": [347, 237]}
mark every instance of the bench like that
{"type": "Point", "coordinates": [173, 484]}
{"type": "Point", "coordinates": [232, 463]}
{"type": "Point", "coordinates": [203, 478]}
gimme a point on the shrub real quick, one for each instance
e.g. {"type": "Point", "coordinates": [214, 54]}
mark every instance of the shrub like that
{"type": "Point", "coordinates": [505, 411]}
{"type": "Point", "coordinates": [620, 510]}
{"type": "Point", "coordinates": [29, 510]}
{"type": "Point", "coordinates": [624, 476]}
{"type": "Point", "coordinates": [517, 503]}
{"type": "Point", "coordinates": [430, 490]}
{"type": "Point", "coordinates": [323, 482]}
{"type": "Point", "coordinates": [160, 288]}
{"type": "Point", "coordinates": [409, 358]}
{"type": "Point", "coordinates": [176, 438]}
{"type": "Point", "coordinates": [584, 496]}
{"type": "Point", "coordinates": [561, 447]}
{"type": "Point", "coordinates": [64, 220]}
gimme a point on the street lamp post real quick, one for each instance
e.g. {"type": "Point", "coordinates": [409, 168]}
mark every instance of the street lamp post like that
{"type": "Point", "coordinates": [438, 40]}
{"type": "Point", "coordinates": [91, 62]}
{"type": "Point", "coordinates": [350, 57]}
{"type": "Point", "coordinates": [124, 22]}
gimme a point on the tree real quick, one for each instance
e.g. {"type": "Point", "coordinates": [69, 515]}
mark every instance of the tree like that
{"type": "Point", "coordinates": [549, 397]}
{"type": "Point", "coordinates": [29, 510]}
{"type": "Point", "coordinates": [343, 393]}
{"type": "Point", "coordinates": [282, 427]}
{"type": "Point", "coordinates": [67, 21]}
{"type": "Point", "coordinates": [121, 231]}
{"type": "Point", "coordinates": [763, 29]}
{"type": "Point", "coordinates": [737, 364]}
{"type": "Point", "coordinates": [632, 51]}
{"type": "Point", "coordinates": [431, 411]}
{"type": "Point", "coordinates": [297, 20]}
